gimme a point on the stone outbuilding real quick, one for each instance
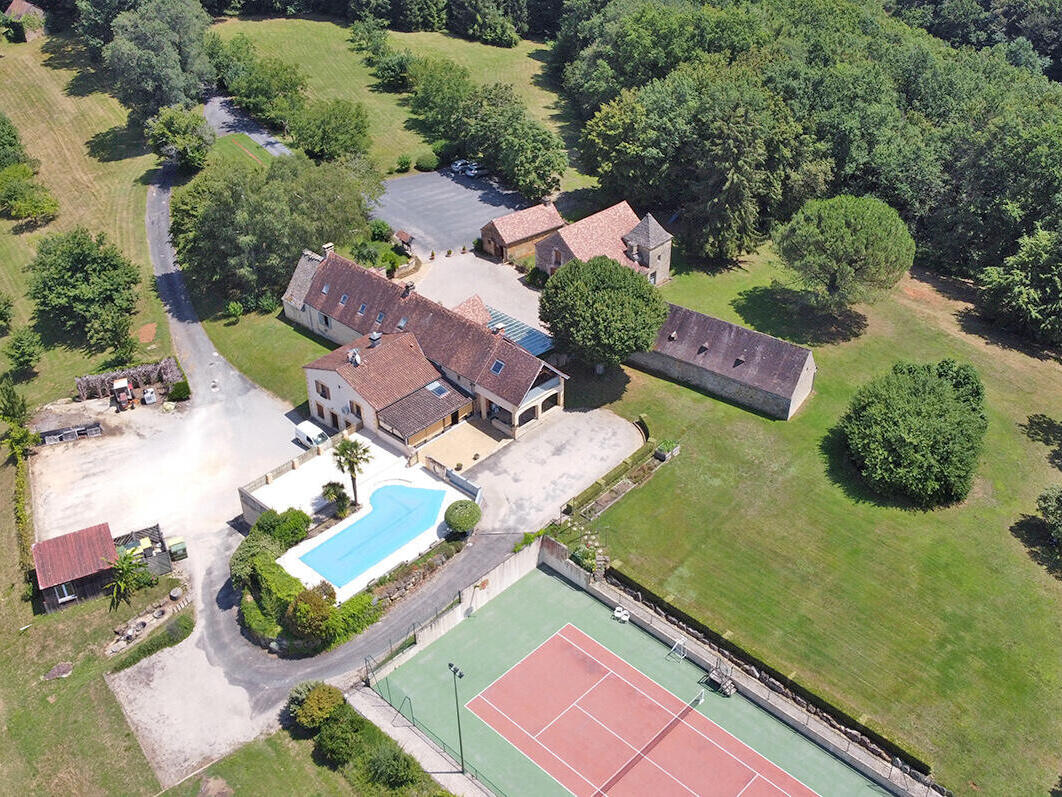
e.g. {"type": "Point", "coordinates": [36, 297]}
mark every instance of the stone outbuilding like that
{"type": "Point", "coordinates": [514, 235]}
{"type": "Point", "coordinates": [735, 363]}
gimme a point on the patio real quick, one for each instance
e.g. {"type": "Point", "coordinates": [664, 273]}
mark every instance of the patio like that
{"type": "Point", "coordinates": [464, 444]}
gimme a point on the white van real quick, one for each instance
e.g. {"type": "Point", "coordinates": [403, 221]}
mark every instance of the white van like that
{"type": "Point", "coordinates": [310, 434]}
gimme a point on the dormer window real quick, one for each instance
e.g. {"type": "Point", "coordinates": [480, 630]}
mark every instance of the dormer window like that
{"type": "Point", "coordinates": [379, 317]}
{"type": "Point", "coordinates": [344, 298]}
{"type": "Point", "coordinates": [497, 367]}
{"type": "Point", "coordinates": [361, 310]}
{"type": "Point", "coordinates": [324, 288]}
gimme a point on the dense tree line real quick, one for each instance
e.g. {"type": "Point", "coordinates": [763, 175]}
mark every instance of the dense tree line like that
{"type": "Point", "coordinates": [239, 229]}
{"type": "Point", "coordinates": [21, 196]}
{"type": "Point", "coordinates": [488, 122]}
{"type": "Point", "coordinates": [736, 116]}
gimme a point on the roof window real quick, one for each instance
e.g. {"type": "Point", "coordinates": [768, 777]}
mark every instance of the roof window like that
{"type": "Point", "coordinates": [497, 367]}
{"type": "Point", "coordinates": [324, 288]}
{"type": "Point", "coordinates": [438, 389]}
{"type": "Point", "coordinates": [402, 322]}
{"type": "Point", "coordinates": [380, 317]}
{"type": "Point", "coordinates": [343, 299]}
{"type": "Point", "coordinates": [361, 310]}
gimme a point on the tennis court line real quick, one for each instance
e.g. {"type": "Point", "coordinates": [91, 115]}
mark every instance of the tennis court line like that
{"type": "Point", "coordinates": [665, 708]}
{"type": "Point", "coordinates": [574, 703]}
{"type": "Point", "coordinates": [522, 658]}
{"type": "Point", "coordinates": [756, 775]}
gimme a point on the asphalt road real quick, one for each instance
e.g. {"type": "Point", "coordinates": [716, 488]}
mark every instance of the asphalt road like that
{"type": "Point", "coordinates": [226, 119]}
{"type": "Point", "coordinates": [442, 211]}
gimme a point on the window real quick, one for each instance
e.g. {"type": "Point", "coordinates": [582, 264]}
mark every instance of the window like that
{"type": "Point", "coordinates": [322, 390]}
{"type": "Point", "coordinates": [326, 322]}
{"type": "Point", "coordinates": [402, 322]}
{"type": "Point", "coordinates": [343, 299]}
{"type": "Point", "coordinates": [658, 257]}
{"type": "Point", "coordinates": [355, 409]}
{"type": "Point", "coordinates": [497, 367]}
{"type": "Point", "coordinates": [379, 317]}
{"type": "Point", "coordinates": [324, 288]}
{"type": "Point", "coordinates": [361, 310]}
{"type": "Point", "coordinates": [438, 389]}
{"type": "Point", "coordinates": [65, 592]}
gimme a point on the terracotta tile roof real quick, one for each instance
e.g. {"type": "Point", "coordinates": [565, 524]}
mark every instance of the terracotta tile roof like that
{"type": "Point", "coordinates": [474, 309]}
{"type": "Point", "coordinates": [742, 354]}
{"type": "Point", "coordinates": [300, 280]}
{"type": "Point", "coordinates": [528, 223]}
{"type": "Point", "coordinates": [601, 234]}
{"type": "Point", "coordinates": [20, 8]}
{"type": "Point", "coordinates": [447, 338]}
{"type": "Point", "coordinates": [404, 237]}
{"type": "Point", "coordinates": [421, 409]}
{"type": "Point", "coordinates": [648, 234]}
{"type": "Point", "coordinates": [388, 371]}
{"type": "Point", "coordinates": [74, 555]}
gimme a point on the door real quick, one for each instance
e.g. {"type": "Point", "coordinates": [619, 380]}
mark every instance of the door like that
{"type": "Point", "coordinates": [453, 418]}
{"type": "Point", "coordinates": [335, 420]}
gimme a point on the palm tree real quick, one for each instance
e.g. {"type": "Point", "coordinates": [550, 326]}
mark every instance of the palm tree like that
{"type": "Point", "coordinates": [130, 573]}
{"type": "Point", "coordinates": [336, 494]}
{"type": "Point", "coordinates": [351, 456]}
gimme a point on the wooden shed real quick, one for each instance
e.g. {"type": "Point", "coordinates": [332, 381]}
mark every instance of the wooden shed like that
{"type": "Point", "coordinates": [74, 567]}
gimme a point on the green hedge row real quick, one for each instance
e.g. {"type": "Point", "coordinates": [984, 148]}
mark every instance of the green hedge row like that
{"type": "Point", "coordinates": [590, 494]}
{"type": "Point", "coordinates": [274, 587]}
{"type": "Point", "coordinates": [23, 527]}
{"type": "Point", "coordinates": [351, 618]}
{"type": "Point", "coordinates": [176, 630]}
{"type": "Point", "coordinates": [255, 621]}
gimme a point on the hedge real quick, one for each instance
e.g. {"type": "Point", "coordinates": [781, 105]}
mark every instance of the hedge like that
{"type": "Point", "coordinates": [23, 527]}
{"type": "Point", "coordinates": [273, 586]}
{"type": "Point", "coordinates": [255, 621]}
{"type": "Point", "coordinates": [255, 544]}
{"type": "Point", "coordinates": [180, 391]}
{"type": "Point", "coordinates": [351, 618]}
{"type": "Point", "coordinates": [176, 630]}
{"type": "Point", "coordinates": [591, 493]}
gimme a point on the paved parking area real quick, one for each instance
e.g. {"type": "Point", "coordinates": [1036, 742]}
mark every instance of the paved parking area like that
{"type": "Point", "coordinates": [442, 211]}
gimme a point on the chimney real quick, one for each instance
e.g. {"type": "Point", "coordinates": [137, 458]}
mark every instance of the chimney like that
{"type": "Point", "coordinates": [354, 357]}
{"type": "Point", "coordinates": [407, 290]}
{"type": "Point", "coordinates": [374, 339]}
{"type": "Point", "coordinates": [328, 249]}
{"type": "Point", "coordinates": [500, 329]}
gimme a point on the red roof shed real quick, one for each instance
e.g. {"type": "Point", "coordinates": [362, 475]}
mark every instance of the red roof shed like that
{"type": "Point", "coordinates": [73, 556]}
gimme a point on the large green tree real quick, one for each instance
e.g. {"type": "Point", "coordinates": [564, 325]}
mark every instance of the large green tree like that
{"type": "Point", "coordinates": [1025, 292]}
{"type": "Point", "coordinates": [239, 229]}
{"type": "Point", "coordinates": [331, 129]}
{"type": "Point", "coordinates": [158, 56]}
{"type": "Point", "coordinates": [601, 311]}
{"type": "Point", "coordinates": [181, 135]}
{"type": "Point", "coordinates": [95, 19]}
{"type": "Point", "coordinates": [85, 285]}
{"type": "Point", "coordinates": [846, 249]}
{"type": "Point", "coordinates": [918, 431]}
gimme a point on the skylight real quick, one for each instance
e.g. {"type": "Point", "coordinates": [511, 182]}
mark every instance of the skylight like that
{"type": "Point", "coordinates": [379, 317]}
{"type": "Point", "coordinates": [343, 299]}
{"type": "Point", "coordinates": [324, 288]}
{"type": "Point", "coordinates": [402, 322]}
{"type": "Point", "coordinates": [438, 389]}
{"type": "Point", "coordinates": [497, 367]}
{"type": "Point", "coordinates": [361, 310]}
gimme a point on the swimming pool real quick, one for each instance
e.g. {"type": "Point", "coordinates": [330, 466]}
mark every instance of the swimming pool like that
{"type": "Point", "coordinates": [398, 515]}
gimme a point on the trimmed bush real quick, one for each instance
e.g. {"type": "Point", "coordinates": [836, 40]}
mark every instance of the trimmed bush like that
{"type": "Point", "coordinates": [320, 704]}
{"type": "Point", "coordinates": [404, 163]}
{"type": "Point", "coordinates": [176, 630]}
{"type": "Point", "coordinates": [351, 618]}
{"type": "Point", "coordinates": [389, 766]}
{"type": "Point", "coordinates": [428, 162]}
{"type": "Point", "coordinates": [180, 391]}
{"type": "Point", "coordinates": [585, 558]}
{"type": "Point", "coordinates": [337, 743]}
{"type": "Point", "coordinates": [380, 230]}
{"type": "Point", "coordinates": [253, 545]}
{"type": "Point", "coordinates": [253, 619]}
{"type": "Point", "coordinates": [298, 694]}
{"type": "Point", "coordinates": [307, 614]}
{"type": "Point", "coordinates": [273, 586]}
{"type": "Point", "coordinates": [917, 431]}
{"type": "Point", "coordinates": [462, 516]}
{"type": "Point", "coordinates": [289, 527]}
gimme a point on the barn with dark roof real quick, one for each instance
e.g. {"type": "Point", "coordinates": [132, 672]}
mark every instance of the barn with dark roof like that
{"type": "Point", "coordinates": [738, 364]}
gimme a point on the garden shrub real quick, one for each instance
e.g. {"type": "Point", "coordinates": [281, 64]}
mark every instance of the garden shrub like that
{"type": "Point", "coordinates": [428, 162]}
{"type": "Point", "coordinates": [462, 516]}
{"type": "Point", "coordinates": [404, 163]}
{"type": "Point", "coordinates": [918, 431]}
{"type": "Point", "coordinates": [176, 630]}
{"type": "Point", "coordinates": [254, 544]}
{"type": "Point", "coordinates": [319, 705]}
{"type": "Point", "coordinates": [380, 230]}
{"type": "Point", "coordinates": [537, 278]}
{"type": "Point", "coordinates": [585, 558]}
{"type": "Point", "coordinates": [1049, 505]}
{"type": "Point", "coordinates": [351, 618]}
{"type": "Point", "coordinates": [254, 620]}
{"type": "Point", "coordinates": [337, 743]}
{"type": "Point", "coordinates": [289, 527]}
{"type": "Point", "coordinates": [267, 303]}
{"type": "Point", "coordinates": [273, 586]}
{"type": "Point", "coordinates": [179, 391]}
{"type": "Point", "coordinates": [307, 614]}
{"type": "Point", "coordinates": [298, 694]}
{"type": "Point", "coordinates": [389, 766]}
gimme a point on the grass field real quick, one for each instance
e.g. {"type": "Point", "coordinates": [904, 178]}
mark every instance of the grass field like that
{"type": "Point", "coordinates": [96, 168]}
{"type": "Point", "coordinates": [322, 50]}
{"type": "Point", "coordinates": [938, 628]}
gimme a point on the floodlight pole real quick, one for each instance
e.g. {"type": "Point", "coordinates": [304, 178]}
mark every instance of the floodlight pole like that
{"type": "Point", "coordinates": [457, 709]}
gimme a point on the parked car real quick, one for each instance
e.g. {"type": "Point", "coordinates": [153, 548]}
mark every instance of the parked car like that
{"type": "Point", "coordinates": [458, 166]}
{"type": "Point", "coordinates": [310, 434]}
{"type": "Point", "coordinates": [475, 170]}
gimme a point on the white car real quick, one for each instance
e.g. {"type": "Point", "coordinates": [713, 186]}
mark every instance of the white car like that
{"type": "Point", "coordinates": [310, 434]}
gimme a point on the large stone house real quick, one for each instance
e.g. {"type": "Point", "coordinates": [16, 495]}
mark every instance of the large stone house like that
{"type": "Point", "coordinates": [640, 244]}
{"type": "Point", "coordinates": [758, 371]}
{"type": "Point", "coordinates": [407, 367]}
{"type": "Point", "coordinates": [514, 235]}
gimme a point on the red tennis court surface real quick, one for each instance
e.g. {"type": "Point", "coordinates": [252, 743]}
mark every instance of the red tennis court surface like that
{"type": "Point", "coordinates": [601, 727]}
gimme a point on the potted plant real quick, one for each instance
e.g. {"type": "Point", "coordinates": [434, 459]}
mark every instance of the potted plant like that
{"type": "Point", "coordinates": [667, 449]}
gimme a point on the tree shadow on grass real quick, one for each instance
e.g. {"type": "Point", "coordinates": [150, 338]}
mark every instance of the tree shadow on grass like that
{"type": "Point", "coordinates": [65, 52]}
{"type": "Point", "coordinates": [1041, 428]}
{"type": "Point", "coordinates": [1033, 533]}
{"type": "Point", "coordinates": [587, 390]}
{"type": "Point", "coordinates": [118, 143]}
{"type": "Point", "coordinates": [973, 322]}
{"type": "Point", "coordinates": [842, 471]}
{"type": "Point", "coordinates": [786, 313]}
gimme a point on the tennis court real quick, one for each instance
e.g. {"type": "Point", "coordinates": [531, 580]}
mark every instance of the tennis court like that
{"type": "Point", "coordinates": [608, 729]}
{"type": "Point", "coordinates": [559, 698]}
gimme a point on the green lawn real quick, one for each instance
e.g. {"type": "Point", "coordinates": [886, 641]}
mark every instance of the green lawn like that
{"type": "Point", "coordinates": [239, 147]}
{"type": "Point", "coordinates": [937, 628]}
{"type": "Point", "coordinates": [322, 50]}
{"type": "Point", "coordinates": [98, 170]}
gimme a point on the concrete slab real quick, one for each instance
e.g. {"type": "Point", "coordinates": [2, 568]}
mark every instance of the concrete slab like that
{"type": "Point", "coordinates": [464, 444]}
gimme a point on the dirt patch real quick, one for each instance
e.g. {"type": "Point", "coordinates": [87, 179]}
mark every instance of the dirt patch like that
{"type": "Point", "coordinates": [215, 787]}
{"type": "Point", "coordinates": [146, 333]}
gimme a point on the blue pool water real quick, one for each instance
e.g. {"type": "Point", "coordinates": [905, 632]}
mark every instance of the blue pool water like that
{"type": "Point", "coordinates": [398, 515]}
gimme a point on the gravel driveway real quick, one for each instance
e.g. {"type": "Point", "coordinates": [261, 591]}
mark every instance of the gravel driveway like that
{"type": "Point", "coordinates": [442, 211]}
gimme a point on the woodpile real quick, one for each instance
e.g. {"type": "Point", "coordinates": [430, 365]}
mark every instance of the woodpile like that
{"type": "Point", "coordinates": [165, 372]}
